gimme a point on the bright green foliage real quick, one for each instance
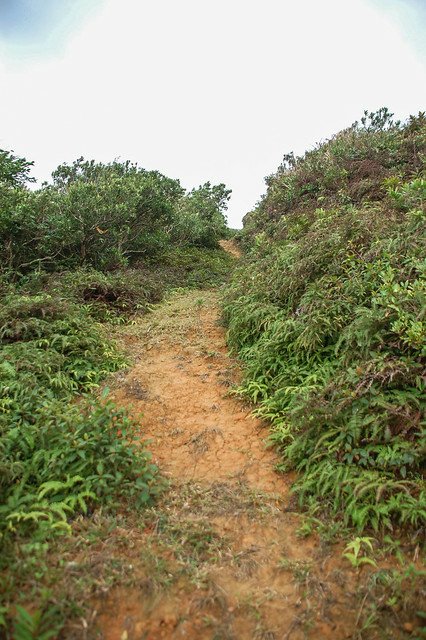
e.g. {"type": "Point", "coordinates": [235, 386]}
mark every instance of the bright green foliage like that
{"type": "Point", "coordinates": [328, 315]}
{"type": "Point", "coordinates": [357, 550]}
{"type": "Point", "coordinates": [37, 626]}
{"type": "Point", "coordinates": [59, 457]}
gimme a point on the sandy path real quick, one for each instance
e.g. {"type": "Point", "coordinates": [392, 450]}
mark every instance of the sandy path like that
{"type": "Point", "coordinates": [231, 248]}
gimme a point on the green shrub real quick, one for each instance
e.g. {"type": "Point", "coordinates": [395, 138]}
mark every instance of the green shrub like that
{"type": "Point", "coordinates": [65, 459]}
{"type": "Point", "coordinates": [328, 316]}
{"type": "Point", "coordinates": [101, 216]}
{"type": "Point", "coordinates": [59, 457]}
{"type": "Point", "coordinates": [110, 296]}
{"type": "Point", "coordinates": [200, 218]}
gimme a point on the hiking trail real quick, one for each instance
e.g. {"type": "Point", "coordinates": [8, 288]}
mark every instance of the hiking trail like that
{"type": "Point", "coordinates": [221, 555]}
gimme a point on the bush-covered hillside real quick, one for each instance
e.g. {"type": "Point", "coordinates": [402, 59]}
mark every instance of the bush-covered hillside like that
{"type": "Point", "coordinates": [328, 313]}
{"type": "Point", "coordinates": [101, 215]}
{"type": "Point", "coordinates": [98, 244]}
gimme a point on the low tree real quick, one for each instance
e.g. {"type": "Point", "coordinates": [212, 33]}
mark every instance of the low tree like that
{"type": "Point", "coordinates": [201, 215]}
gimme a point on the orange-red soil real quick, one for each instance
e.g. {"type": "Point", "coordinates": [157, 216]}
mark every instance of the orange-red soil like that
{"type": "Point", "coordinates": [258, 578]}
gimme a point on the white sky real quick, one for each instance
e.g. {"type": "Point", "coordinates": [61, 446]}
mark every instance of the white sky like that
{"type": "Point", "coordinates": [202, 90]}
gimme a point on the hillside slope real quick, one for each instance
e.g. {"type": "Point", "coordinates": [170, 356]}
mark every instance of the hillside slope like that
{"type": "Point", "coordinates": [327, 313]}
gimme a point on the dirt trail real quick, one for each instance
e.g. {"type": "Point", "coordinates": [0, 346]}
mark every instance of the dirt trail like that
{"type": "Point", "coordinates": [231, 248]}
{"type": "Point", "coordinates": [221, 556]}
{"type": "Point", "coordinates": [181, 383]}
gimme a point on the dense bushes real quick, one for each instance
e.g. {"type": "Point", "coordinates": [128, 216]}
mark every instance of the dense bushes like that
{"type": "Point", "coordinates": [200, 219]}
{"type": "Point", "coordinates": [328, 314]}
{"type": "Point", "coordinates": [104, 216]}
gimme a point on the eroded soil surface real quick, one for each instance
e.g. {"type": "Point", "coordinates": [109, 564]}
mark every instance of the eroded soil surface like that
{"type": "Point", "coordinates": [181, 383]}
{"type": "Point", "coordinates": [221, 555]}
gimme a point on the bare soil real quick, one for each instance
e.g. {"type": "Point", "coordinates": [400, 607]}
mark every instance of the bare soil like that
{"type": "Point", "coordinates": [231, 248]}
{"type": "Point", "coordinates": [224, 534]}
{"type": "Point", "coordinates": [181, 384]}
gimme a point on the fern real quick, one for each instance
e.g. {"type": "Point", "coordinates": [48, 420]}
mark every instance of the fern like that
{"type": "Point", "coordinates": [327, 315]}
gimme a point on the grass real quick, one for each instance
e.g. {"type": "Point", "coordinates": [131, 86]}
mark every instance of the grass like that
{"type": "Point", "coordinates": [176, 548]}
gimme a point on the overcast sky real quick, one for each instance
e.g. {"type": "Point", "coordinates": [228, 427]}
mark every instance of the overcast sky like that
{"type": "Point", "coordinates": [201, 90]}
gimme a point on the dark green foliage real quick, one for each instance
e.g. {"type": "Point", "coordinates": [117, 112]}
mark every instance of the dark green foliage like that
{"type": "Point", "coordinates": [110, 296]}
{"type": "Point", "coordinates": [201, 216]}
{"type": "Point", "coordinates": [328, 314]}
{"type": "Point", "coordinates": [104, 216]}
{"type": "Point", "coordinates": [14, 171]}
